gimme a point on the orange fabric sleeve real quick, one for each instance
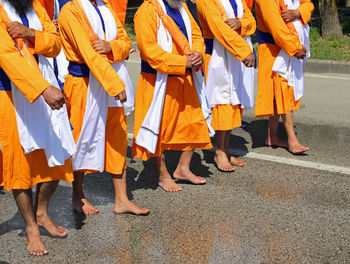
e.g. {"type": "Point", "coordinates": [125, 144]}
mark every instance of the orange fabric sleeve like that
{"type": "Point", "coordinates": [269, 14]}
{"type": "Point", "coordinates": [230, 39]}
{"type": "Point", "coordinates": [28, 79]}
{"type": "Point", "coordinates": [121, 46]}
{"type": "Point", "coordinates": [47, 41]}
{"type": "Point", "coordinates": [305, 9]}
{"type": "Point", "coordinates": [146, 25]}
{"type": "Point", "coordinates": [248, 23]}
{"type": "Point", "coordinates": [77, 46]}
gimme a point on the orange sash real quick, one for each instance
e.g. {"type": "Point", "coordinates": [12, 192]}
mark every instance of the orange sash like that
{"type": "Point", "coordinates": [290, 25]}
{"type": "Point", "coordinates": [48, 5]}
{"type": "Point", "coordinates": [86, 22]}
{"type": "Point", "coordinates": [178, 37]}
{"type": "Point", "coordinates": [221, 9]}
{"type": "Point", "coordinates": [250, 3]}
{"type": "Point", "coordinates": [21, 46]}
{"type": "Point", "coordinates": [119, 6]}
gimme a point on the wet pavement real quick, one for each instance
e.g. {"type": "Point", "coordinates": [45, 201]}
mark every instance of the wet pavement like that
{"type": "Point", "coordinates": [266, 212]}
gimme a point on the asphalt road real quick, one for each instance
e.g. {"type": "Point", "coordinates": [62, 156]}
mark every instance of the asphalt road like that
{"type": "Point", "coordinates": [280, 208]}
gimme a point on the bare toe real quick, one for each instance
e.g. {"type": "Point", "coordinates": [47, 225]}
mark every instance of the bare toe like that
{"type": "Point", "coordinates": [223, 163]}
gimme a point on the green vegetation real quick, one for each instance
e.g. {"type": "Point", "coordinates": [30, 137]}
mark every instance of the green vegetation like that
{"type": "Point", "coordinates": [331, 48]}
{"type": "Point", "coordinates": [129, 23]}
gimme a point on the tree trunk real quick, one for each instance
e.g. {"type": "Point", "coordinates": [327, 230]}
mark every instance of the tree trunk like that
{"type": "Point", "coordinates": [330, 20]}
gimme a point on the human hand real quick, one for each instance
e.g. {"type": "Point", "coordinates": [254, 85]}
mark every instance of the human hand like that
{"type": "Point", "coordinates": [18, 30]}
{"type": "Point", "coordinates": [234, 23]}
{"type": "Point", "coordinates": [197, 59]}
{"type": "Point", "coordinates": [301, 53]}
{"type": "Point", "coordinates": [55, 22]}
{"type": "Point", "coordinates": [290, 15]}
{"type": "Point", "coordinates": [54, 97]}
{"type": "Point", "coordinates": [249, 61]}
{"type": "Point", "coordinates": [121, 97]}
{"type": "Point", "coordinates": [102, 46]}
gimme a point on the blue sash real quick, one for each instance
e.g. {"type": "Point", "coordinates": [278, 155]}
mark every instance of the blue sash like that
{"type": "Point", "coordinates": [209, 46]}
{"type": "Point", "coordinates": [264, 37]}
{"type": "Point", "coordinates": [78, 69]}
{"type": "Point", "coordinates": [234, 6]}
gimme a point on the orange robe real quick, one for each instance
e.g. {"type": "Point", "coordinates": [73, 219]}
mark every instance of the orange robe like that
{"type": "Point", "coordinates": [78, 48]}
{"type": "Point", "coordinates": [183, 126]}
{"type": "Point", "coordinates": [227, 116]}
{"type": "Point", "coordinates": [19, 170]}
{"type": "Point", "coordinates": [273, 90]}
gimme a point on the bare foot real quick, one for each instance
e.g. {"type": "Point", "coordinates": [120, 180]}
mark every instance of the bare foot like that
{"type": "Point", "coordinates": [35, 245]}
{"type": "Point", "coordinates": [168, 184]}
{"type": "Point", "coordinates": [236, 161]}
{"type": "Point", "coordinates": [83, 206]}
{"type": "Point", "coordinates": [296, 148]}
{"type": "Point", "coordinates": [187, 175]}
{"type": "Point", "coordinates": [276, 142]}
{"type": "Point", "coordinates": [55, 230]}
{"type": "Point", "coordinates": [222, 161]}
{"type": "Point", "coordinates": [129, 207]}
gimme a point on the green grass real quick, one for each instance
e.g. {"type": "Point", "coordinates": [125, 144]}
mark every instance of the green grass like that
{"type": "Point", "coordinates": [129, 23]}
{"type": "Point", "coordinates": [337, 49]}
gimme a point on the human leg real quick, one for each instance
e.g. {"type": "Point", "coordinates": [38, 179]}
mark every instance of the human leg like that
{"type": "Point", "coordinates": [79, 202]}
{"type": "Point", "coordinates": [233, 160]}
{"type": "Point", "coordinates": [44, 192]}
{"type": "Point", "coordinates": [122, 203]}
{"type": "Point", "coordinates": [24, 200]}
{"type": "Point", "coordinates": [294, 146]}
{"type": "Point", "coordinates": [221, 153]}
{"type": "Point", "coordinates": [272, 133]}
{"type": "Point", "coordinates": [183, 171]}
{"type": "Point", "coordinates": [165, 180]}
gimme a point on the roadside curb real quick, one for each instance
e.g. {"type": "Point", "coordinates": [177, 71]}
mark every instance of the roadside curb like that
{"type": "Point", "coordinates": [327, 66]}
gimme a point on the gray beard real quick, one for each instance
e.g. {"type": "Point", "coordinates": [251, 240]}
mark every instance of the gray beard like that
{"type": "Point", "coordinates": [174, 3]}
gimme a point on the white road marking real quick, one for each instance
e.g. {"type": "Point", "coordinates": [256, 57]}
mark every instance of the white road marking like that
{"type": "Point", "coordinates": [295, 162]}
{"type": "Point", "coordinates": [288, 161]}
{"type": "Point", "coordinates": [328, 76]}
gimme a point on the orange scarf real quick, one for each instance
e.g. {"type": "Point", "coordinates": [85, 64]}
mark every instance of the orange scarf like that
{"type": "Point", "coordinates": [21, 46]}
{"type": "Point", "coordinates": [119, 6]}
{"type": "Point", "coordinates": [221, 9]}
{"type": "Point", "coordinates": [48, 5]}
{"type": "Point", "coordinates": [173, 29]}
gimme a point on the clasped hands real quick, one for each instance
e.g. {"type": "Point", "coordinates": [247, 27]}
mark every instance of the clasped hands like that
{"type": "Point", "coordinates": [194, 59]}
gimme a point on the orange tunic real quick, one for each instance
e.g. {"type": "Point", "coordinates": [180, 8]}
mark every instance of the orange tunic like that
{"type": "Point", "coordinates": [77, 47]}
{"type": "Point", "coordinates": [182, 124]}
{"type": "Point", "coordinates": [273, 90]}
{"type": "Point", "coordinates": [225, 117]}
{"type": "Point", "coordinates": [20, 171]}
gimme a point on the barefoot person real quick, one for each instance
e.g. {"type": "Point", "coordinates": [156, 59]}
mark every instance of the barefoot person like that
{"type": "Point", "coordinates": [283, 50]}
{"type": "Point", "coordinates": [35, 136]}
{"type": "Point", "coordinates": [171, 110]}
{"type": "Point", "coordinates": [227, 26]}
{"type": "Point", "coordinates": [99, 96]}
